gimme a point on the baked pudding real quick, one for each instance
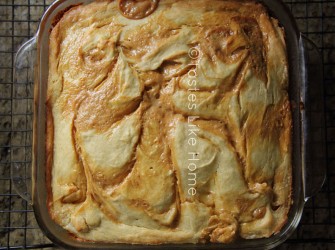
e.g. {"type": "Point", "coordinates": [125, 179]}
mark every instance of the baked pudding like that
{"type": "Point", "coordinates": [168, 122]}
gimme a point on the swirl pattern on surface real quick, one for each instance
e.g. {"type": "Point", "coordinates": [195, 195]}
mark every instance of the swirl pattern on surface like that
{"type": "Point", "coordinates": [118, 123]}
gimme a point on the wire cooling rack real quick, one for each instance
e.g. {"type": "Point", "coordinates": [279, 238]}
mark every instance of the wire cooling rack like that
{"type": "Point", "coordinates": [19, 21]}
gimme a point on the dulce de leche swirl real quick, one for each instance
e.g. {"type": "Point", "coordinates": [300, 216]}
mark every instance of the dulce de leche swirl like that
{"type": "Point", "coordinates": [173, 128]}
{"type": "Point", "coordinates": [137, 9]}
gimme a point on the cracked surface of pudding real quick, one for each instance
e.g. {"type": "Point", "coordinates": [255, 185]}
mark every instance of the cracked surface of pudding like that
{"type": "Point", "coordinates": [170, 128]}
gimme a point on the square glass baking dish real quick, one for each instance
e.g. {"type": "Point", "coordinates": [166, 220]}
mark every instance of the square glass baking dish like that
{"type": "Point", "coordinates": [306, 96]}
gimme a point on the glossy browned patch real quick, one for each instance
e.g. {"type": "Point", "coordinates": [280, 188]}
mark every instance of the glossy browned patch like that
{"type": "Point", "coordinates": [137, 9]}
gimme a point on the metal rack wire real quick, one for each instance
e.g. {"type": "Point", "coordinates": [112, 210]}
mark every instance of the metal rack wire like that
{"type": "Point", "coordinates": [18, 22]}
{"type": "Point", "coordinates": [316, 19]}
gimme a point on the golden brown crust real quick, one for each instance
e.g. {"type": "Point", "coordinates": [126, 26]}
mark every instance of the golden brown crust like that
{"type": "Point", "coordinates": [174, 128]}
{"type": "Point", "coordinates": [49, 153]}
{"type": "Point", "coordinates": [60, 14]}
